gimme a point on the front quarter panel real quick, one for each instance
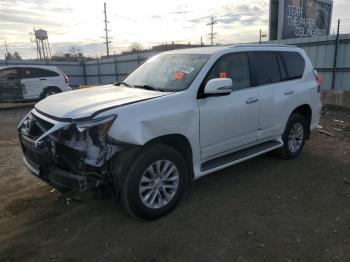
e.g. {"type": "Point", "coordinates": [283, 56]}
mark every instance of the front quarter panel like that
{"type": "Point", "coordinates": [171, 114]}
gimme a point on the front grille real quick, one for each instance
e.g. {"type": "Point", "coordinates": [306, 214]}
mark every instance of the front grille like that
{"type": "Point", "coordinates": [43, 124]}
{"type": "Point", "coordinates": [34, 126]}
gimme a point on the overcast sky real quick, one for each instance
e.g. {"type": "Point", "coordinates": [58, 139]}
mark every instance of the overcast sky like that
{"type": "Point", "coordinates": [79, 23]}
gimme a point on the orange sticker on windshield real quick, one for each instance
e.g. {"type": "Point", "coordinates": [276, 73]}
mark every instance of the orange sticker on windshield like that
{"type": "Point", "coordinates": [223, 75]}
{"type": "Point", "coordinates": [179, 75]}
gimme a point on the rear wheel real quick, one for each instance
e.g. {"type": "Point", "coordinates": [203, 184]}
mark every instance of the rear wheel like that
{"type": "Point", "coordinates": [293, 137]}
{"type": "Point", "coordinates": [49, 91]}
{"type": "Point", "coordinates": [155, 182]}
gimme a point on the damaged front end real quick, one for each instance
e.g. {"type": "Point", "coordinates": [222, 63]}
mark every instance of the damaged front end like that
{"type": "Point", "coordinates": [71, 155]}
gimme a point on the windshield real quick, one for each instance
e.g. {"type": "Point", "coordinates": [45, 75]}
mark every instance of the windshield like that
{"type": "Point", "coordinates": [167, 72]}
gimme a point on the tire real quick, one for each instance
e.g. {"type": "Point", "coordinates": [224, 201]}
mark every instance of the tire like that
{"type": "Point", "coordinates": [293, 137]}
{"type": "Point", "coordinates": [136, 191]}
{"type": "Point", "coordinates": [49, 91]}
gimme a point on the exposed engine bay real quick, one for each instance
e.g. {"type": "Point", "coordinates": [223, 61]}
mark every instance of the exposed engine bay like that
{"type": "Point", "coordinates": [65, 152]}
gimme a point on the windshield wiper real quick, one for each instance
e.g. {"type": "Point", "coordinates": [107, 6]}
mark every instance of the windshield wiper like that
{"type": "Point", "coordinates": [148, 87]}
{"type": "Point", "coordinates": [124, 84]}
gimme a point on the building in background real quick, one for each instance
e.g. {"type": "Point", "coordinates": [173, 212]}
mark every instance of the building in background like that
{"type": "Point", "coordinates": [299, 18]}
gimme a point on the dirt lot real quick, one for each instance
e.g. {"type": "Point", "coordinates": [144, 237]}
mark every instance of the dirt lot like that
{"type": "Point", "coordinates": [265, 209]}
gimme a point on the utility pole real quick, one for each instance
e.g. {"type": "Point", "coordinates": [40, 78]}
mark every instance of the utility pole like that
{"type": "Point", "coordinates": [335, 57]}
{"type": "Point", "coordinates": [201, 41]}
{"type": "Point", "coordinates": [7, 51]}
{"type": "Point", "coordinates": [212, 23]}
{"type": "Point", "coordinates": [260, 37]}
{"type": "Point", "coordinates": [107, 42]}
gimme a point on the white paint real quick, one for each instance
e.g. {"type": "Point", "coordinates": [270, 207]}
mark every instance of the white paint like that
{"type": "Point", "coordinates": [213, 126]}
{"type": "Point", "coordinates": [35, 86]}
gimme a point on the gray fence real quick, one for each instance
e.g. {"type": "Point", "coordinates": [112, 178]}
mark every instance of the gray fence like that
{"type": "Point", "coordinates": [333, 66]}
{"type": "Point", "coordinates": [330, 55]}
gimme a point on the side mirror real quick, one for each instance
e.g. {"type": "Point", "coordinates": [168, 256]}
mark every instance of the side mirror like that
{"type": "Point", "coordinates": [218, 86]}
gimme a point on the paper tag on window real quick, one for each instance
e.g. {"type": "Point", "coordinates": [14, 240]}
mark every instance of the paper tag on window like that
{"type": "Point", "coordinates": [179, 75]}
{"type": "Point", "coordinates": [223, 75]}
{"type": "Point", "coordinates": [185, 69]}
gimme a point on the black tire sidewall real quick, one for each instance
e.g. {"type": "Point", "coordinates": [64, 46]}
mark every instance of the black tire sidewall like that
{"type": "Point", "coordinates": [295, 118]}
{"type": "Point", "coordinates": [49, 89]}
{"type": "Point", "coordinates": [132, 180]}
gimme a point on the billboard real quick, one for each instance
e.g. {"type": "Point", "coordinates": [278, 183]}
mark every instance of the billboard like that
{"type": "Point", "coordinates": [300, 18]}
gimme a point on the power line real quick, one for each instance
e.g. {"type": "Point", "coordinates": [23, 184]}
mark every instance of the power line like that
{"type": "Point", "coordinates": [211, 24]}
{"type": "Point", "coordinates": [107, 42]}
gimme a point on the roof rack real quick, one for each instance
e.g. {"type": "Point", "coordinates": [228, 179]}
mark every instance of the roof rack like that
{"type": "Point", "coordinates": [262, 45]}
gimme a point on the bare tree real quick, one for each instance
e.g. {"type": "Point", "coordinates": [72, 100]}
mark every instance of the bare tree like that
{"type": "Point", "coordinates": [14, 57]}
{"type": "Point", "coordinates": [74, 50]}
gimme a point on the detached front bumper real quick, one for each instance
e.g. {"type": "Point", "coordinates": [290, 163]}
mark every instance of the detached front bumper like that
{"type": "Point", "coordinates": [68, 164]}
{"type": "Point", "coordinates": [58, 178]}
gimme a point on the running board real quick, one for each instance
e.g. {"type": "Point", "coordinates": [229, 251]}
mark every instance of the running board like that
{"type": "Point", "coordinates": [239, 156]}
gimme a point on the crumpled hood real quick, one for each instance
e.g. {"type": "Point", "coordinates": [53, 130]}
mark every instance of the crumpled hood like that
{"type": "Point", "coordinates": [85, 102]}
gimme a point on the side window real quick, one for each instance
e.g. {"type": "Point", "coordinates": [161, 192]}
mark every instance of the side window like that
{"type": "Point", "coordinates": [38, 72]}
{"type": "Point", "coordinates": [282, 68]}
{"type": "Point", "coordinates": [234, 66]}
{"type": "Point", "coordinates": [46, 73]}
{"type": "Point", "coordinates": [266, 68]}
{"type": "Point", "coordinates": [295, 64]}
{"type": "Point", "coordinates": [8, 74]}
{"type": "Point", "coordinates": [26, 72]}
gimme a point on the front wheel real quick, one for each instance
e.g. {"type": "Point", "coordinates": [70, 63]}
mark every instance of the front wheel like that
{"type": "Point", "coordinates": [155, 182]}
{"type": "Point", "coordinates": [293, 137]}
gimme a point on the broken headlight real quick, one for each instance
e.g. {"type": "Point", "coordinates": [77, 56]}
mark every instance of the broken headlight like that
{"type": "Point", "coordinates": [97, 128]}
{"type": "Point", "coordinates": [89, 138]}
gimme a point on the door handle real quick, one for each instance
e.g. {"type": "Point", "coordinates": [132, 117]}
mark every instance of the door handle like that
{"type": "Point", "coordinates": [42, 78]}
{"type": "Point", "coordinates": [290, 92]}
{"type": "Point", "coordinates": [251, 100]}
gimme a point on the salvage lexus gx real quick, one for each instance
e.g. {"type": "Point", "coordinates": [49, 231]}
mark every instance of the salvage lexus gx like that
{"type": "Point", "coordinates": [179, 116]}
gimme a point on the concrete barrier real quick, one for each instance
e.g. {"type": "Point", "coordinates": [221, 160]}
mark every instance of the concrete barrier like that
{"type": "Point", "coordinates": [336, 98]}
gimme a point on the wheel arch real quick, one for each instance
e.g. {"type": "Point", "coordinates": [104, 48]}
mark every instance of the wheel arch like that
{"type": "Point", "coordinates": [306, 111]}
{"type": "Point", "coordinates": [48, 88]}
{"type": "Point", "coordinates": [181, 144]}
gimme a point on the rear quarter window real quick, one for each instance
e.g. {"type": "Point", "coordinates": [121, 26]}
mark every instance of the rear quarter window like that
{"type": "Point", "coordinates": [294, 64]}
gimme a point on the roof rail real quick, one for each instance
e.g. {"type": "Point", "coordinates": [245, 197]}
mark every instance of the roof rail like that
{"type": "Point", "coordinates": [262, 45]}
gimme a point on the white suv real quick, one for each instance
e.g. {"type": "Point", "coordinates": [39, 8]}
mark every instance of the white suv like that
{"type": "Point", "coordinates": [31, 82]}
{"type": "Point", "coordinates": [179, 116]}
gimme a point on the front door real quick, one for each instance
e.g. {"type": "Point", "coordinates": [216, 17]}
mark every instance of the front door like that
{"type": "Point", "coordinates": [10, 85]}
{"type": "Point", "coordinates": [229, 122]}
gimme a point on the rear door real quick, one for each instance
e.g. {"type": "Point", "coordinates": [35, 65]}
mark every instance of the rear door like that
{"type": "Point", "coordinates": [10, 85]}
{"type": "Point", "coordinates": [33, 82]}
{"type": "Point", "coordinates": [276, 92]}
{"type": "Point", "coordinates": [229, 122]}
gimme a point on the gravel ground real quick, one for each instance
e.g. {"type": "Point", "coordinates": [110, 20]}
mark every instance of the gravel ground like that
{"type": "Point", "coordinates": [265, 209]}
